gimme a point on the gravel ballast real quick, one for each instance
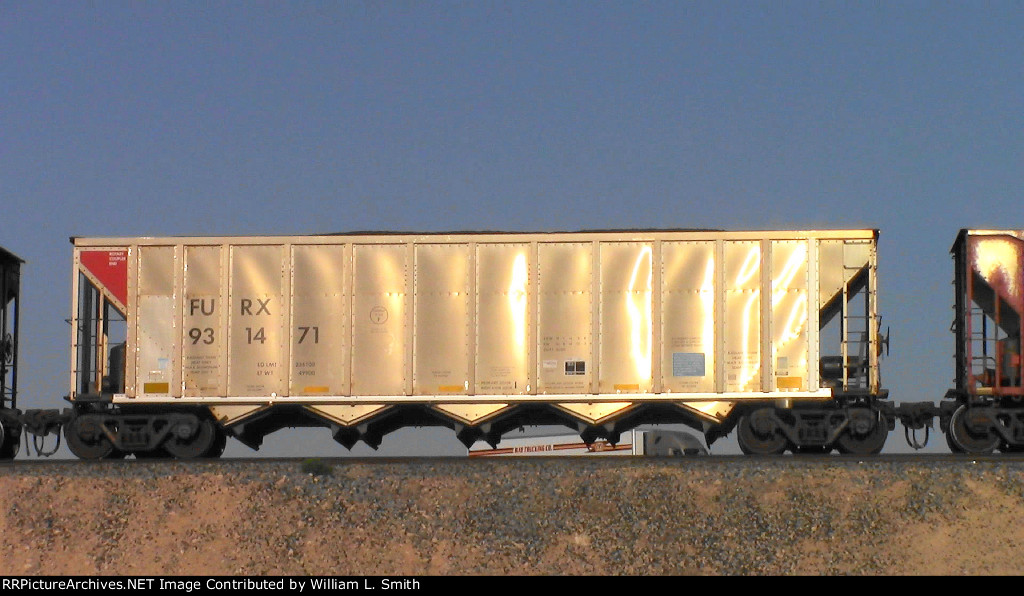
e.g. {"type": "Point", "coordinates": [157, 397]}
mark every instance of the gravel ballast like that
{"type": "Point", "coordinates": [576, 516]}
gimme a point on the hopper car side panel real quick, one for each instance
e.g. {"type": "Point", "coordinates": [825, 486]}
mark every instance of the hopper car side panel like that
{"type": "Point", "coordinates": [775, 331]}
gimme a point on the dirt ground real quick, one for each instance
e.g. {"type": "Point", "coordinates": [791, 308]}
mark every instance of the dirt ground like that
{"type": "Point", "coordinates": [459, 517]}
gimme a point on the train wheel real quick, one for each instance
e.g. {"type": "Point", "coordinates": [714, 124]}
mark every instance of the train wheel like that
{"type": "Point", "coordinates": [759, 434]}
{"type": "Point", "coordinates": [967, 440]}
{"type": "Point", "coordinates": [953, 446]}
{"type": "Point", "coordinates": [197, 445]}
{"type": "Point", "coordinates": [865, 435]}
{"type": "Point", "coordinates": [217, 449]}
{"type": "Point", "coordinates": [10, 441]}
{"type": "Point", "coordinates": [86, 439]}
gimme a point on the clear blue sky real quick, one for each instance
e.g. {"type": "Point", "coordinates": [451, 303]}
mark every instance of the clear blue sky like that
{"type": "Point", "coordinates": [189, 118]}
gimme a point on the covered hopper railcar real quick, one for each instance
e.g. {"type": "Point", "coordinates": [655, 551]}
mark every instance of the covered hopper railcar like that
{"type": "Point", "coordinates": [179, 343]}
{"type": "Point", "coordinates": [10, 422]}
{"type": "Point", "coordinates": [985, 410]}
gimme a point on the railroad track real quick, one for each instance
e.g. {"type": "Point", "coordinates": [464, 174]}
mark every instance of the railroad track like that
{"type": "Point", "coordinates": [476, 463]}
